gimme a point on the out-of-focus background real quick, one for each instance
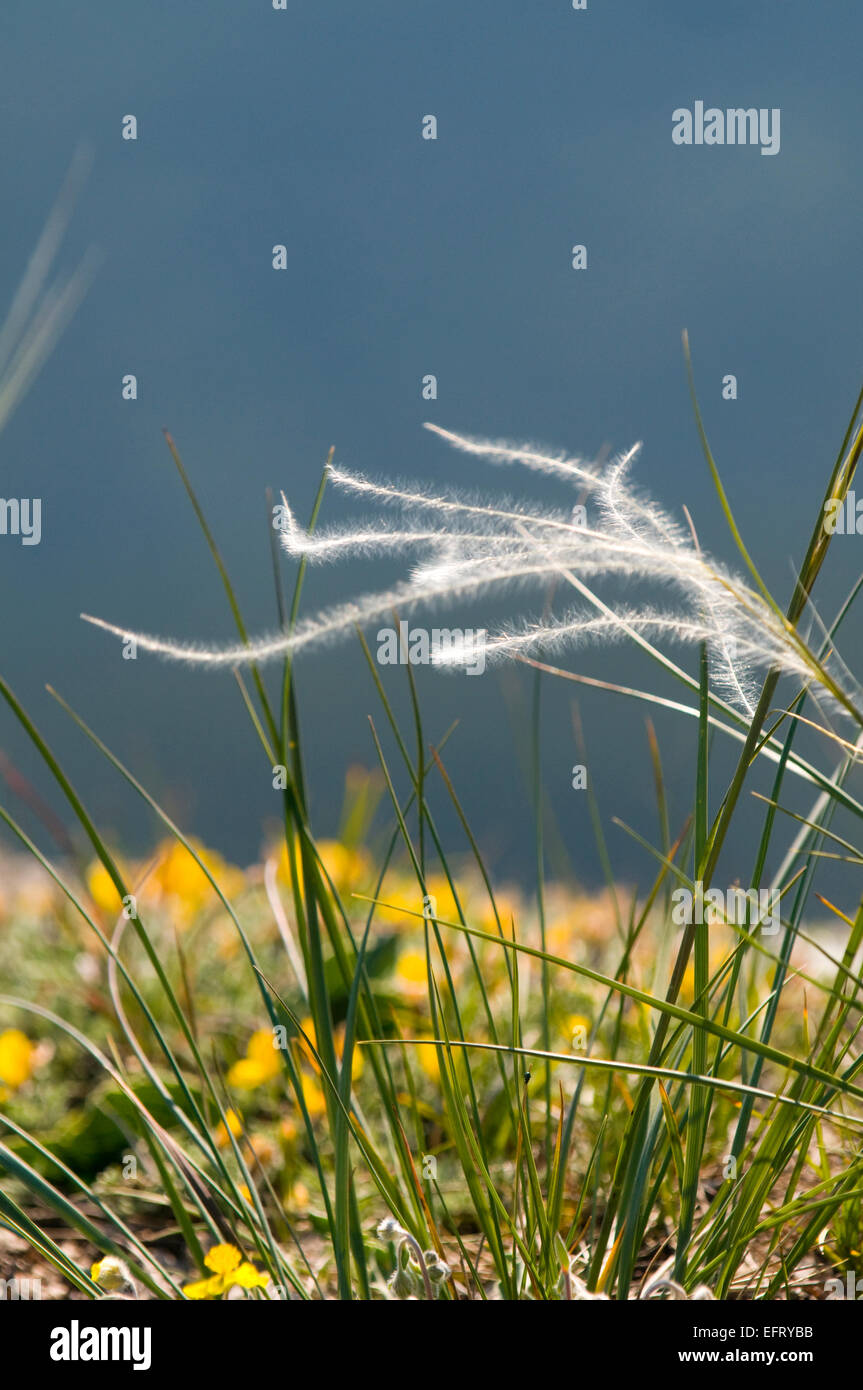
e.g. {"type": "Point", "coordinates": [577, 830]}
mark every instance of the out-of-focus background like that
{"type": "Point", "coordinates": [407, 257]}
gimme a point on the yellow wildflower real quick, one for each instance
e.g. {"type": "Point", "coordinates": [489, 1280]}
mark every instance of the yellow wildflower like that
{"type": "Point", "coordinates": [229, 1269]}
{"type": "Point", "coordinates": [443, 905]}
{"type": "Point", "coordinates": [181, 883]}
{"type": "Point", "coordinates": [314, 1097]}
{"type": "Point", "coordinates": [396, 894]}
{"type": "Point", "coordinates": [234, 1125]}
{"type": "Point", "coordinates": [560, 937]}
{"type": "Point", "coordinates": [308, 1045]}
{"type": "Point", "coordinates": [260, 1064]}
{"type": "Point", "coordinates": [16, 1057]}
{"type": "Point", "coordinates": [428, 1060]}
{"type": "Point", "coordinates": [262, 1048]}
{"type": "Point", "coordinates": [246, 1074]}
{"type": "Point", "coordinates": [222, 1258]}
{"type": "Point", "coordinates": [101, 888]}
{"type": "Point", "coordinates": [509, 910]}
{"type": "Point", "coordinates": [577, 1030]}
{"type": "Point", "coordinates": [346, 868]}
{"type": "Point", "coordinates": [249, 1278]}
{"type": "Point", "coordinates": [205, 1288]}
{"type": "Point", "coordinates": [411, 974]}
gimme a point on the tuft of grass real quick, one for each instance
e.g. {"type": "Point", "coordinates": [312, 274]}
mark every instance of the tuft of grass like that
{"type": "Point", "coordinates": [348, 1072]}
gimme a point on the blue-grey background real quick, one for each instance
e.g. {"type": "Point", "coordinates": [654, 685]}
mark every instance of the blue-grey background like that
{"type": "Point", "coordinates": [407, 257]}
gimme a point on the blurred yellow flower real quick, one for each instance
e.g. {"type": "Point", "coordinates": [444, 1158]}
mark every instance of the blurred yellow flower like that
{"type": "Point", "coordinates": [559, 938]}
{"type": "Point", "coordinates": [101, 888]}
{"type": "Point", "coordinates": [398, 893]}
{"type": "Point", "coordinates": [412, 967]}
{"type": "Point", "coordinates": [262, 1047]}
{"type": "Point", "coordinates": [234, 1125]}
{"type": "Point", "coordinates": [404, 905]}
{"type": "Point", "coordinates": [181, 884]}
{"type": "Point", "coordinates": [411, 974]}
{"type": "Point", "coordinates": [356, 1056]}
{"type": "Point", "coordinates": [246, 1074]}
{"type": "Point", "coordinates": [576, 1030]}
{"type": "Point", "coordinates": [308, 1046]}
{"type": "Point", "coordinates": [348, 869]}
{"type": "Point", "coordinates": [443, 903]}
{"type": "Point", "coordinates": [428, 1060]}
{"type": "Point", "coordinates": [509, 910]}
{"type": "Point", "coordinates": [16, 1057]}
{"type": "Point", "coordinates": [260, 1064]}
{"type": "Point", "coordinates": [307, 1041]}
{"type": "Point", "coordinates": [314, 1097]}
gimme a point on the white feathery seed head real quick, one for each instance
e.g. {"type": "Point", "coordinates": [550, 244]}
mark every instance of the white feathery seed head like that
{"type": "Point", "coordinates": [469, 548]}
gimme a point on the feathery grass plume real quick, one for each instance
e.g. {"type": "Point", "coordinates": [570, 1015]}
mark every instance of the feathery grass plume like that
{"type": "Point", "coordinates": [473, 547]}
{"type": "Point", "coordinates": [39, 312]}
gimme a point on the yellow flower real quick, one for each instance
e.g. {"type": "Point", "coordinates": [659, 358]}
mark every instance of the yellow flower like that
{"type": "Point", "coordinates": [205, 1288]}
{"type": "Point", "coordinates": [234, 1125]}
{"type": "Point", "coordinates": [260, 1064]}
{"type": "Point", "coordinates": [229, 1269]}
{"type": "Point", "coordinates": [308, 1045]}
{"type": "Point", "coordinates": [262, 1048]}
{"type": "Point", "coordinates": [396, 894]}
{"type": "Point", "coordinates": [559, 938]}
{"type": "Point", "coordinates": [444, 904]}
{"type": "Point", "coordinates": [307, 1041]}
{"type": "Point", "coordinates": [16, 1057]}
{"type": "Point", "coordinates": [347, 868]}
{"type": "Point", "coordinates": [102, 890]}
{"type": "Point", "coordinates": [246, 1074]}
{"type": "Point", "coordinates": [356, 1057]}
{"type": "Point", "coordinates": [222, 1259]}
{"type": "Point", "coordinates": [412, 967]}
{"type": "Point", "coordinates": [249, 1278]}
{"type": "Point", "coordinates": [314, 1097]}
{"type": "Point", "coordinates": [411, 974]}
{"type": "Point", "coordinates": [509, 910]}
{"type": "Point", "coordinates": [183, 885]}
{"type": "Point", "coordinates": [577, 1029]}
{"type": "Point", "coordinates": [428, 1060]}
